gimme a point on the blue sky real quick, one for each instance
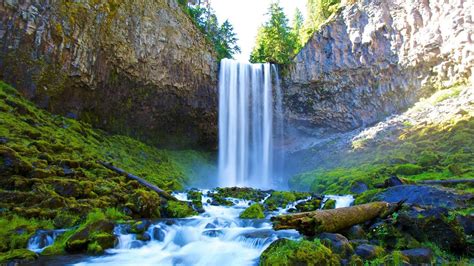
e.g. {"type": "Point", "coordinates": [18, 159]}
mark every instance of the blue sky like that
{"type": "Point", "coordinates": [247, 15]}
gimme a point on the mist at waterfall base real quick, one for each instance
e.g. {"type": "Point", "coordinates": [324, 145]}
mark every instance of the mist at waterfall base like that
{"type": "Point", "coordinates": [250, 126]}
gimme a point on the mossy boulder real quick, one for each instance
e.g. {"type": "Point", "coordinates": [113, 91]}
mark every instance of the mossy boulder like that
{"type": "Point", "coordinates": [145, 204]}
{"type": "Point", "coordinates": [81, 239]}
{"type": "Point", "coordinates": [18, 256]}
{"type": "Point", "coordinates": [280, 199]}
{"type": "Point", "coordinates": [303, 252]}
{"type": "Point", "coordinates": [244, 193]}
{"type": "Point", "coordinates": [179, 209]}
{"type": "Point", "coordinates": [369, 252]}
{"type": "Point", "coordinates": [329, 204]}
{"type": "Point", "coordinates": [310, 205]}
{"type": "Point", "coordinates": [255, 211]}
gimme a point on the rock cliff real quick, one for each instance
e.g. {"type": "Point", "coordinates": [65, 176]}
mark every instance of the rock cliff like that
{"type": "Point", "coordinates": [376, 58]}
{"type": "Point", "coordinates": [133, 67]}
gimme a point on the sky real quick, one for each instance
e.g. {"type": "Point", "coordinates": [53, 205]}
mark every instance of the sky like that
{"type": "Point", "coordinates": [247, 15]}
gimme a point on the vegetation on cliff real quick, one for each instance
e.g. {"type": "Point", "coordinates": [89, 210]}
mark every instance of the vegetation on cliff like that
{"type": "Point", "coordinates": [278, 42]}
{"type": "Point", "coordinates": [221, 36]}
{"type": "Point", "coordinates": [51, 176]}
{"type": "Point", "coordinates": [416, 152]}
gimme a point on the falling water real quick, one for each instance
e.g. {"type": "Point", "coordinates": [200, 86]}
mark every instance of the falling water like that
{"type": "Point", "coordinates": [246, 124]}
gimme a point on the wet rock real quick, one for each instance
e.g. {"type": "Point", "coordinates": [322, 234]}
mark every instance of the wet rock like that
{"type": "Point", "coordinates": [359, 187]}
{"type": "Point", "coordinates": [337, 243]}
{"type": "Point", "coordinates": [140, 227]}
{"type": "Point", "coordinates": [210, 226]}
{"type": "Point", "coordinates": [158, 234]}
{"type": "Point", "coordinates": [68, 171]}
{"type": "Point", "coordinates": [310, 205]}
{"type": "Point", "coordinates": [144, 237]}
{"type": "Point", "coordinates": [136, 244]}
{"type": "Point", "coordinates": [3, 140]}
{"type": "Point", "coordinates": [244, 193]}
{"type": "Point", "coordinates": [79, 241]}
{"type": "Point", "coordinates": [255, 211]}
{"type": "Point", "coordinates": [369, 252]}
{"type": "Point", "coordinates": [419, 255]}
{"type": "Point", "coordinates": [426, 196]}
{"type": "Point", "coordinates": [213, 233]}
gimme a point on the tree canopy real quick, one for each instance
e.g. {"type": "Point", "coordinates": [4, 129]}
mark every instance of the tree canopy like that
{"type": "Point", "coordinates": [275, 41]}
{"type": "Point", "coordinates": [222, 36]}
{"type": "Point", "coordinates": [278, 42]}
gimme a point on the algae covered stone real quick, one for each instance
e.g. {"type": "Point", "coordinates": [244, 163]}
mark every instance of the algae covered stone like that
{"type": "Point", "coordinates": [255, 211]}
{"type": "Point", "coordinates": [304, 252]}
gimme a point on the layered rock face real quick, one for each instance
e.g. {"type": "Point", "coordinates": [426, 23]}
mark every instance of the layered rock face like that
{"type": "Point", "coordinates": [375, 58]}
{"type": "Point", "coordinates": [133, 67]}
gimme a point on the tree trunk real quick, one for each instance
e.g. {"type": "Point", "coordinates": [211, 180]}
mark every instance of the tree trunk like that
{"type": "Point", "coordinates": [312, 223]}
{"type": "Point", "coordinates": [158, 190]}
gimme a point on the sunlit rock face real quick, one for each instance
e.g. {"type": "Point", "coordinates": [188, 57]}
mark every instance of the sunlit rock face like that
{"type": "Point", "coordinates": [135, 67]}
{"type": "Point", "coordinates": [375, 58]}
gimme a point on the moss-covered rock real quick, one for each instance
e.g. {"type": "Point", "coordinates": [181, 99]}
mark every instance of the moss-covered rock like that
{"type": "Point", "coordinates": [280, 199]}
{"type": "Point", "coordinates": [310, 205]}
{"type": "Point", "coordinates": [18, 256]}
{"type": "Point", "coordinates": [82, 238]}
{"type": "Point", "coordinates": [255, 211]}
{"type": "Point", "coordinates": [145, 203]}
{"type": "Point", "coordinates": [408, 169]}
{"type": "Point", "coordinates": [329, 204]}
{"type": "Point", "coordinates": [303, 252]}
{"type": "Point", "coordinates": [178, 209]}
{"type": "Point", "coordinates": [245, 193]}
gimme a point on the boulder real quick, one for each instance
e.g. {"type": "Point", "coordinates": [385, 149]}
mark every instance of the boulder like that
{"type": "Point", "coordinates": [369, 252]}
{"type": "Point", "coordinates": [426, 196]}
{"type": "Point", "coordinates": [434, 224]}
{"type": "Point", "coordinates": [355, 232]}
{"type": "Point", "coordinates": [79, 241]}
{"type": "Point", "coordinates": [337, 243]}
{"type": "Point", "coordinates": [359, 187]}
{"type": "Point", "coordinates": [158, 234]}
{"type": "Point", "coordinates": [419, 255]}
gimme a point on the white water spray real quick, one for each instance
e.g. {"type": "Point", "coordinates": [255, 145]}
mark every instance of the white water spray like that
{"type": "Point", "coordinates": [246, 124]}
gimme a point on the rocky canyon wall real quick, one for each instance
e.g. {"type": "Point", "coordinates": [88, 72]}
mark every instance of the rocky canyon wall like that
{"type": "Point", "coordinates": [133, 67]}
{"type": "Point", "coordinates": [377, 57]}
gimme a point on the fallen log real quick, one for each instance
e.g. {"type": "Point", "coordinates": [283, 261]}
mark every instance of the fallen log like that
{"type": "Point", "coordinates": [158, 190]}
{"type": "Point", "coordinates": [447, 182]}
{"type": "Point", "coordinates": [335, 220]}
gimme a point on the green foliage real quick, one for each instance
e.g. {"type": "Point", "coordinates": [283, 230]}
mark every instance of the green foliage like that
{"type": "Point", "coordinates": [255, 211]}
{"type": "Point", "coordinates": [221, 36]}
{"type": "Point", "coordinates": [178, 209]}
{"type": "Point", "coordinates": [409, 169]}
{"type": "Point", "coordinates": [23, 255]}
{"type": "Point", "coordinates": [280, 199]}
{"type": "Point", "coordinates": [303, 252]}
{"type": "Point", "coordinates": [15, 231]}
{"type": "Point", "coordinates": [435, 151]}
{"type": "Point", "coordinates": [318, 11]}
{"type": "Point", "coordinates": [329, 204]}
{"type": "Point", "coordinates": [276, 42]}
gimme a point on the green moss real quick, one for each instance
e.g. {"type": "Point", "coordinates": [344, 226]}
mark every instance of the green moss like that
{"type": "Point", "coordinates": [15, 231]}
{"type": "Point", "coordinates": [303, 252]}
{"type": "Point", "coordinates": [94, 248]}
{"type": "Point", "coordinates": [178, 209]}
{"type": "Point", "coordinates": [22, 255]}
{"type": "Point", "coordinates": [255, 211]}
{"type": "Point", "coordinates": [329, 204]}
{"type": "Point", "coordinates": [408, 169]}
{"type": "Point", "coordinates": [280, 199]}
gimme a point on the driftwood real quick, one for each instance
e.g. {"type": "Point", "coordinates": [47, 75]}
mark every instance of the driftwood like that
{"type": "Point", "coordinates": [447, 182]}
{"type": "Point", "coordinates": [158, 190]}
{"type": "Point", "coordinates": [335, 220]}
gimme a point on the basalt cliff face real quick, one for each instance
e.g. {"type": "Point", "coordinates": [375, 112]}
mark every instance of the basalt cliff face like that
{"type": "Point", "coordinates": [133, 67]}
{"type": "Point", "coordinates": [376, 58]}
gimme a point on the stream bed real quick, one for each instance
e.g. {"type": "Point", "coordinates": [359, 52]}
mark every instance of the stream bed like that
{"type": "Point", "coordinates": [216, 237]}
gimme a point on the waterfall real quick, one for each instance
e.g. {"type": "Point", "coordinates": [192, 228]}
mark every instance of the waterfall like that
{"type": "Point", "coordinates": [246, 124]}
